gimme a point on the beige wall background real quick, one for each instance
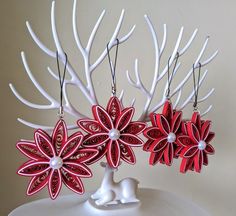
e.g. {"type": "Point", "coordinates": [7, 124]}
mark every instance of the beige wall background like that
{"type": "Point", "coordinates": [215, 188]}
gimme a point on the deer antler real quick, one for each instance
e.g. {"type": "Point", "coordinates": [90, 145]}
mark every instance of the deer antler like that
{"type": "Point", "coordinates": [158, 75]}
{"type": "Point", "coordinates": [88, 89]}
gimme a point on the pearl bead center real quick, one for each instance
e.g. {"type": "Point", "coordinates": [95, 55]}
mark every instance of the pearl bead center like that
{"type": "Point", "coordinates": [201, 145]}
{"type": "Point", "coordinates": [171, 137]}
{"type": "Point", "coordinates": [114, 134]}
{"type": "Point", "coordinates": [56, 162]}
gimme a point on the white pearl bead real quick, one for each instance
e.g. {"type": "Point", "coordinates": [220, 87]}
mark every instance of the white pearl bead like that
{"type": "Point", "coordinates": [114, 134]}
{"type": "Point", "coordinates": [56, 162]}
{"type": "Point", "coordinates": [171, 137]}
{"type": "Point", "coordinates": [202, 145]}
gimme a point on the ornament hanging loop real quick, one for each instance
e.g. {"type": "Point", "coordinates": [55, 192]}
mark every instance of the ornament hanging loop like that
{"type": "Point", "coordinates": [196, 86]}
{"type": "Point", "coordinates": [113, 67]}
{"type": "Point", "coordinates": [170, 76]}
{"type": "Point", "coordinates": [61, 82]}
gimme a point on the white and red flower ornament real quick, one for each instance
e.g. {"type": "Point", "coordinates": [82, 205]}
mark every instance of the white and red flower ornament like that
{"type": "Point", "coordinates": [55, 159]}
{"type": "Point", "coordinates": [113, 133]}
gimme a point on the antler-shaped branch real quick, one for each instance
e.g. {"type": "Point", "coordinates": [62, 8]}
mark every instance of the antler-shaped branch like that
{"type": "Point", "coordinates": [88, 88]}
{"type": "Point", "coordinates": [158, 75]}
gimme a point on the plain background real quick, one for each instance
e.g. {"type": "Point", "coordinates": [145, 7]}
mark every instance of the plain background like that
{"type": "Point", "coordinates": [215, 188]}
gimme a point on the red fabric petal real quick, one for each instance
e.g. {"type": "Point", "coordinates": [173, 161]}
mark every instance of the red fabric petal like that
{"type": "Point", "coordinates": [210, 137]}
{"type": "Point", "coordinates": [168, 111]}
{"type": "Point", "coordinates": [113, 154]}
{"type": "Point", "coordinates": [102, 117]}
{"type": "Point", "coordinates": [189, 151]}
{"type": "Point", "coordinates": [153, 119]}
{"type": "Point", "coordinates": [72, 182]}
{"type": "Point", "coordinates": [163, 124]}
{"type": "Point", "coordinates": [184, 128]}
{"type": "Point", "coordinates": [59, 135]}
{"type": "Point", "coordinates": [193, 132]}
{"type": "Point", "coordinates": [102, 150]}
{"type": "Point", "coordinates": [127, 154]}
{"type": "Point", "coordinates": [114, 108]}
{"type": "Point", "coordinates": [135, 127]}
{"type": "Point", "coordinates": [155, 157]}
{"type": "Point", "coordinates": [209, 149]}
{"type": "Point", "coordinates": [176, 121]}
{"type": "Point", "coordinates": [205, 159]}
{"type": "Point", "coordinates": [44, 144]}
{"type": "Point", "coordinates": [198, 161]}
{"type": "Point", "coordinates": [90, 126]}
{"type": "Point", "coordinates": [30, 150]}
{"type": "Point", "coordinates": [147, 145]}
{"type": "Point", "coordinates": [54, 184]}
{"type": "Point", "coordinates": [84, 155]}
{"type": "Point", "coordinates": [131, 140]}
{"type": "Point", "coordinates": [71, 145]}
{"type": "Point", "coordinates": [37, 183]}
{"type": "Point", "coordinates": [205, 130]}
{"type": "Point", "coordinates": [77, 169]}
{"type": "Point", "coordinates": [159, 144]}
{"type": "Point", "coordinates": [152, 133]}
{"type": "Point", "coordinates": [169, 154]}
{"type": "Point", "coordinates": [186, 164]}
{"type": "Point", "coordinates": [95, 140]}
{"type": "Point", "coordinates": [178, 151]}
{"type": "Point", "coordinates": [125, 118]}
{"type": "Point", "coordinates": [196, 120]}
{"type": "Point", "coordinates": [184, 140]}
{"type": "Point", "coordinates": [33, 168]}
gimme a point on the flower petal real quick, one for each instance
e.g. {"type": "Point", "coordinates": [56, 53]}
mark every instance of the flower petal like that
{"type": "Point", "coordinates": [90, 126]}
{"type": "Point", "coordinates": [189, 151]}
{"type": "Point", "coordinates": [186, 164]}
{"type": "Point", "coordinates": [127, 154]}
{"type": "Point", "coordinates": [184, 140]}
{"type": "Point", "coordinates": [169, 154]}
{"type": "Point", "coordinates": [153, 119]}
{"type": "Point", "coordinates": [59, 135]}
{"type": "Point", "coordinates": [178, 151]}
{"type": "Point", "coordinates": [95, 140]}
{"type": "Point", "coordinates": [155, 157]}
{"type": "Point", "coordinates": [163, 124]}
{"type": "Point", "coordinates": [210, 137]}
{"type": "Point", "coordinates": [55, 183]}
{"type": "Point", "coordinates": [168, 111]}
{"type": "Point", "coordinates": [205, 129]}
{"type": "Point", "coordinates": [159, 144]}
{"type": "Point", "coordinates": [72, 182]}
{"type": "Point", "coordinates": [184, 128]}
{"type": "Point", "coordinates": [176, 121]}
{"type": "Point", "coordinates": [209, 149]}
{"type": "Point", "coordinates": [33, 168]}
{"type": "Point", "coordinates": [131, 140]}
{"type": "Point", "coordinates": [125, 118]}
{"type": "Point", "coordinates": [102, 150]}
{"type": "Point", "coordinates": [114, 108]}
{"type": "Point", "coordinates": [196, 120]}
{"type": "Point", "coordinates": [38, 182]}
{"type": "Point", "coordinates": [193, 132]}
{"type": "Point", "coordinates": [152, 133]}
{"type": "Point", "coordinates": [44, 144]}
{"type": "Point", "coordinates": [198, 161]}
{"type": "Point", "coordinates": [30, 150]}
{"type": "Point", "coordinates": [113, 154]}
{"type": "Point", "coordinates": [205, 159]}
{"type": "Point", "coordinates": [71, 145]}
{"type": "Point", "coordinates": [84, 155]}
{"type": "Point", "coordinates": [135, 127]}
{"type": "Point", "coordinates": [102, 117]}
{"type": "Point", "coordinates": [77, 169]}
{"type": "Point", "coordinates": [147, 145]}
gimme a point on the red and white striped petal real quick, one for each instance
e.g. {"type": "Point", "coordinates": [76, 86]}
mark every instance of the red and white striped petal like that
{"type": "Point", "coordinates": [95, 140]}
{"type": "Point", "coordinates": [176, 121]}
{"type": "Point", "coordinates": [38, 182]}
{"type": "Point", "coordinates": [33, 168]}
{"type": "Point", "coordinates": [77, 169]}
{"type": "Point", "coordinates": [163, 124]}
{"type": "Point", "coordinates": [189, 151]}
{"type": "Point", "coordinates": [113, 154]}
{"type": "Point", "coordinates": [83, 155]}
{"type": "Point", "coordinates": [155, 157]}
{"type": "Point", "coordinates": [193, 132]}
{"type": "Point", "coordinates": [131, 140]}
{"type": "Point", "coordinates": [55, 183]}
{"type": "Point", "coordinates": [184, 127]}
{"type": "Point", "coordinates": [152, 133]}
{"type": "Point", "coordinates": [210, 137]}
{"type": "Point", "coordinates": [125, 118]}
{"type": "Point", "coordinates": [135, 127]}
{"type": "Point", "coordinates": [72, 144]}
{"type": "Point", "coordinates": [184, 140]}
{"type": "Point", "coordinates": [205, 130]}
{"type": "Point", "coordinates": [169, 154]}
{"type": "Point", "coordinates": [90, 126]}
{"type": "Point", "coordinates": [168, 111]}
{"type": "Point", "coordinates": [102, 150]}
{"type": "Point", "coordinates": [153, 119]}
{"type": "Point", "coordinates": [147, 145]}
{"type": "Point", "coordinates": [114, 108]}
{"type": "Point", "coordinates": [186, 164]}
{"type": "Point", "coordinates": [209, 149]}
{"type": "Point", "coordinates": [102, 117]}
{"type": "Point", "coordinates": [198, 161]}
{"type": "Point", "coordinates": [30, 150]}
{"type": "Point", "coordinates": [159, 144]}
{"type": "Point", "coordinates": [127, 154]}
{"type": "Point", "coordinates": [196, 119]}
{"type": "Point", "coordinates": [44, 144]}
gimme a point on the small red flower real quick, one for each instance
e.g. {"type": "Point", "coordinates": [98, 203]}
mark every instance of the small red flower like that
{"type": "Point", "coordinates": [162, 135]}
{"type": "Point", "coordinates": [112, 133]}
{"type": "Point", "coordinates": [55, 159]}
{"type": "Point", "coordinates": [196, 144]}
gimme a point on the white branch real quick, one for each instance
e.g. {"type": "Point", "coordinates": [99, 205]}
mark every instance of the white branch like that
{"type": "Point", "coordinates": [207, 111]}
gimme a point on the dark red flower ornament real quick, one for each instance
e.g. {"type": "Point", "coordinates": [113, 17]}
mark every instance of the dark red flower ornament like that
{"type": "Point", "coordinates": [196, 144]}
{"type": "Point", "coordinates": [162, 135]}
{"type": "Point", "coordinates": [55, 159]}
{"type": "Point", "coordinates": [112, 133]}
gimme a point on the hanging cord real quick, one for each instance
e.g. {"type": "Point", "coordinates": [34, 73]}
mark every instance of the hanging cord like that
{"type": "Point", "coordinates": [196, 85]}
{"type": "Point", "coordinates": [170, 77]}
{"type": "Point", "coordinates": [113, 68]}
{"type": "Point", "coordinates": [61, 82]}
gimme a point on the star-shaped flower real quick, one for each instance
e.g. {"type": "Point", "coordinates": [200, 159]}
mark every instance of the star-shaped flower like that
{"type": "Point", "coordinates": [55, 159]}
{"type": "Point", "coordinates": [162, 135]}
{"type": "Point", "coordinates": [112, 132]}
{"type": "Point", "coordinates": [196, 144]}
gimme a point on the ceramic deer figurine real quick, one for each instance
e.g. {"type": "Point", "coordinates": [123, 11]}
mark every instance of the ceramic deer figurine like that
{"type": "Point", "coordinates": [111, 192]}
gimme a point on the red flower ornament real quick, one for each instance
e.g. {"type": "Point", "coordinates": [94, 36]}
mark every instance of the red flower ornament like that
{"type": "Point", "coordinates": [55, 159]}
{"type": "Point", "coordinates": [196, 144]}
{"type": "Point", "coordinates": [162, 135]}
{"type": "Point", "coordinates": [112, 133]}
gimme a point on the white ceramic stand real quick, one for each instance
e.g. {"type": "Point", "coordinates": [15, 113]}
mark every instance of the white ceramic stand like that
{"type": "Point", "coordinates": [153, 203]}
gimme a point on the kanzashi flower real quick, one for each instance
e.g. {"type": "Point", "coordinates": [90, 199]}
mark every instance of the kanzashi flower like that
{"type": "Point", "coordinates": [55, 159]}
{"type": "Point", "coordinates": [196, 144]}
{"type": "Point", "coordinates": [162, 135]}
{"type": "Point", "coordinates": [112, 132]}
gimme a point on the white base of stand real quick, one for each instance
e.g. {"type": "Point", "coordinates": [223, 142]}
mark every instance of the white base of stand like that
{"type": "Point", "coordinates": [153, 203]}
